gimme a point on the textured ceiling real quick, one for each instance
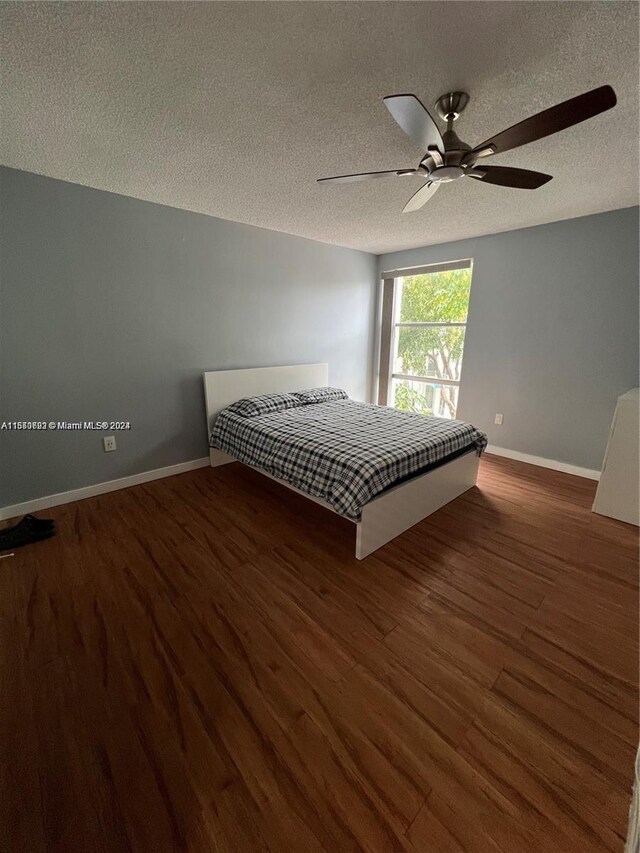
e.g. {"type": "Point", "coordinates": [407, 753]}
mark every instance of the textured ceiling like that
{"type": "Point", "coordinates": [233, 109]}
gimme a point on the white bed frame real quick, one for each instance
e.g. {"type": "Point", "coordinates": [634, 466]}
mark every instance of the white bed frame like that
{"type": "Point", "coordinates": [385, 516]}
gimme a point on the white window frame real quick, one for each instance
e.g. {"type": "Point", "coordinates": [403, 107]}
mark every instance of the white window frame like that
{"type": "Point", "coordinates": [389, 326]}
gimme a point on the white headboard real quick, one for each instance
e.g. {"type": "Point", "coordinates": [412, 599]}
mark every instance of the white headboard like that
{"type": "Point", "coordinates": [223, 387]}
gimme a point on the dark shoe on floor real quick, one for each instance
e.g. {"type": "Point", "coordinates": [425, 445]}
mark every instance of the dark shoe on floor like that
{"type": "Point", "coordinates": [32, 524]}
{"type": "Point", "coordinates": [38, 524]}
{"type": "Point", "coordinates": [15, 537]}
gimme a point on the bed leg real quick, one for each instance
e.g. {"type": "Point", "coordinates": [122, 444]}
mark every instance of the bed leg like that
{"type": "Point", "coordinates": [364, 543]}
{"type": "Point", "coordinates": [219, 457]}
{"type": "Point", "coordinates": [359, 554]}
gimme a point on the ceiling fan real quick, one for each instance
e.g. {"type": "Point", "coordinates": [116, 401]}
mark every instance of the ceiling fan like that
{"type": "Point", "coordinates": [447, 158]}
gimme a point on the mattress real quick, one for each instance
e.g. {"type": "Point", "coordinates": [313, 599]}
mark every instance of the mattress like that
{"type": "Point", "coordinates": [343, 451]}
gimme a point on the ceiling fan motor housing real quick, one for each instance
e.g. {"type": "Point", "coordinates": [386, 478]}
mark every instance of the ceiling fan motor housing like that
{"type": "Point", "coordinates": [449, 160]}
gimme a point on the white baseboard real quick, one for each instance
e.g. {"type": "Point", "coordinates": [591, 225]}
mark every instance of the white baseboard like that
{"type": "Point", "coordinates": [588, 473]}
{"type": "Point", "coordinates": [100, 488]}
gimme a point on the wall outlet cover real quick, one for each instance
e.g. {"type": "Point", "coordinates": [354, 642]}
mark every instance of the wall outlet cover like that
{"type": "Point", "coordinates": [109, 443]}
{"type": "Point", "coordinates": [498, 419]}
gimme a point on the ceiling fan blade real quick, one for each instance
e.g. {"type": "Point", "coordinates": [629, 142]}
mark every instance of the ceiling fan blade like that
{"type": "Point", "coordinates": [420, 198]}
{"type": "Point", "coordinates": [503, 176]}
{"type": "Point", "coordinates": [414, 119]}
{"type": "Point", "coordinates": [364, 176]}
{"type": "Point", "coordinates": [549, 121]}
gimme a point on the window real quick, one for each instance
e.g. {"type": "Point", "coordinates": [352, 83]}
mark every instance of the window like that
{"type": "Point", "coordinates": [424, 317]}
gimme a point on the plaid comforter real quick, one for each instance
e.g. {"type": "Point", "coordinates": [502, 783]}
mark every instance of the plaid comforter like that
{"type": "Point", "coordinates": [342, 451]}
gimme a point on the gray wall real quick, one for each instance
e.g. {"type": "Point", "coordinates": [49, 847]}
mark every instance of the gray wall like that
{"type": "Point", "coordinates": [111, 308]}
{"type": "Point", "coordinates": [552, 334]}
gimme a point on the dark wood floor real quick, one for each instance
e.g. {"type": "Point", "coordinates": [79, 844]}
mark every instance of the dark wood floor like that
{"type": "Point", "coordinates": [200, 664]}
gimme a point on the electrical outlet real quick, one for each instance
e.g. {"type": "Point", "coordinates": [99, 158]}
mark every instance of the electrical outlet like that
{"type": "Point", "coordinates": [498, 419]}
{"type": "Point", "coordinates": [109, 443]}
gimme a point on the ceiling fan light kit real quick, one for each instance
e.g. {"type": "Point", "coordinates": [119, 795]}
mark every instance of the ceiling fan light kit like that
{"type": "Point", "coordinates": [447, 158]}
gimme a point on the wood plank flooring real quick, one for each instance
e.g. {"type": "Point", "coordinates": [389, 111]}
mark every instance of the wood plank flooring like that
{"type": "Point", "coordinates": [200, 664]}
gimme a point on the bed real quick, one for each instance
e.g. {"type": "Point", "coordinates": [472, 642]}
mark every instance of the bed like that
{"type": "Point", "coordinates": [382, 469]}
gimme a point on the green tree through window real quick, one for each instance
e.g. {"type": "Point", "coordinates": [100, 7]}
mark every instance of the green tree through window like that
{"type": "Point", "coordinates": [430, 322]}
